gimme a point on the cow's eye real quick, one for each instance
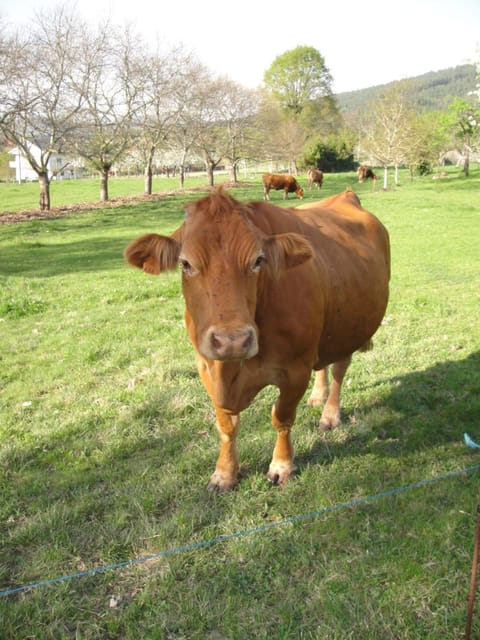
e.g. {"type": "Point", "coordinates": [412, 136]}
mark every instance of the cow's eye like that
{"type": "Point", "coordinates": [258, 263]}
{"type": "Point", "coordinates": [186, 266]}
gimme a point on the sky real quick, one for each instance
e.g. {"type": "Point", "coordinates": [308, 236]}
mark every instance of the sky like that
{"type": "Point", "coordinates": [364, 44]}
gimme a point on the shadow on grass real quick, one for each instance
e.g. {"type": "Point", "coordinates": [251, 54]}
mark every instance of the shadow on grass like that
{"type": "Point", "coordinates": [422, 410]}
{"type": "Point", "coordinates": [42, 260]}
{"type": "Point", "coordinates": [94, 241]}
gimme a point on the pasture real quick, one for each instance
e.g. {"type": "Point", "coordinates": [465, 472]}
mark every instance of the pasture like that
{"type": "Point", "coordinates": [107, 442]}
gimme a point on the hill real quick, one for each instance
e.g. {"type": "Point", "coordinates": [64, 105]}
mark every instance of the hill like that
{"type": "Point", "coordinates": [431, 91]}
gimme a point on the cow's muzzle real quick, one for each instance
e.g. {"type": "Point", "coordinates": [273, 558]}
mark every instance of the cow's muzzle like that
{"type": "Point", "coordinates": [221, 344]}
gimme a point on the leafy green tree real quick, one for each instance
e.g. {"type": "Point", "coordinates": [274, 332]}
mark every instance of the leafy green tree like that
{"type": "Point", "coordinates": [465, 125]}
{"type": "Point", "coordinates": [427, 139]}
{"type": "Point", "coordinates": [298, 77]}
{"type": "Point", "coordinates": [333, 153]}
{"type": "Point", "coordinates": [300, 83]}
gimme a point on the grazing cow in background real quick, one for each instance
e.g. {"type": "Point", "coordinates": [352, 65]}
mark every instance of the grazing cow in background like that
{"type": "Point", "coordinates": [314, 176]}
{"type": "Point", "coordinates": [365, 172]}
{"type": "Point", "coordinates": [279, 181]}
{"type": "Point", "coordinates": [272, 294]}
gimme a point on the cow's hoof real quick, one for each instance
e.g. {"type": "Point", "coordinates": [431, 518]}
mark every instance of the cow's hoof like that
{"type": "Point", "coordinates": [317, 399]}
{"type": "Point", "coordinates": [219, 483]}
{"type": "Point", "coordinates": [279, 474]}
{"type": "Point", "coordinates": [327, 423]}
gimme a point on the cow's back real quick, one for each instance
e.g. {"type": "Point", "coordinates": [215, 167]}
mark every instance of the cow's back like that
{"type": "Point", "coordinates": [342, 293]}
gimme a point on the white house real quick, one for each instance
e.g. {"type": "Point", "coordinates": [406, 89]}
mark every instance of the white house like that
{"type": "Point", "coordinates": [24, 171]}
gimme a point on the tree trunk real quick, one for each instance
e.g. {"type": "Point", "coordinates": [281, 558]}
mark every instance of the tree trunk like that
{"type": "Point", "coordinates": [233, 172]}
{"type": "Point", "coordinates": [466, 162]}
{"type": "Point", "coordinates": [148, 174]}
{"type": "Point", "coordinates": [44, 182]}
{"type": "Point", "coordinates": [385, 178]}
{"type": "Point", "coordinates": [104, 185]}
{"type": "Point", "coordinates": [396, 175]}
{"type": "Point", "coordinates": [148, 179]}
{"type": "Point", "coordinates": [209, 167]}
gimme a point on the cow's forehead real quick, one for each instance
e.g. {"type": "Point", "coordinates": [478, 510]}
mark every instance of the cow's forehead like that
{"type": "Point", "coordinates": [222, 225]}
{"type": "Point", "coordinates": [218, 216]}
{"type": "Point", "coordinates": [217, 207]}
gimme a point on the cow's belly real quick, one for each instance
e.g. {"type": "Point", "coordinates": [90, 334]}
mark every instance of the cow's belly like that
{"type": "Point", "coordinates": [348, 328]}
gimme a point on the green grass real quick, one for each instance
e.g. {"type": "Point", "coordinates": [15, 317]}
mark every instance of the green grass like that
{"type": "Point", "coordinates": [107, 442]}
{"type": "Point", "coordinates": [25, 196]}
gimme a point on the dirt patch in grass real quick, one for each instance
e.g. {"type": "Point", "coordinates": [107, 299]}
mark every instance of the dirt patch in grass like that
{"type": "Point", "coordinates": [56, 212]}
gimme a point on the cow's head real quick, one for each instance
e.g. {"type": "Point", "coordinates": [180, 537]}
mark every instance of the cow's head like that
{"type": "Point", "coordinates": [299, 191]}
{"type": "Point", "coordinates": [225, 260]}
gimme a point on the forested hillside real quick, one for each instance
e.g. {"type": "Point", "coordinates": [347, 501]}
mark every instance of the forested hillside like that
{"type": "Point", "coordinates": [431, 91]}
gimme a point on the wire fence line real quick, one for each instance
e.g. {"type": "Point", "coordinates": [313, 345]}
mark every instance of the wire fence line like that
{"type": "Point", "coordinates": [239, 534]}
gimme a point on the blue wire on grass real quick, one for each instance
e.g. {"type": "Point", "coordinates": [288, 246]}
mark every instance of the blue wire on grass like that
{"type": "Point", "coordinates": [469, 442]}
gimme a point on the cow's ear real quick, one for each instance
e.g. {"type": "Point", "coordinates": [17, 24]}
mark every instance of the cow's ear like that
{"type": "Point", "coordinates": [287, 250]}
{"type": "Point", "coordinates": [153, 253]}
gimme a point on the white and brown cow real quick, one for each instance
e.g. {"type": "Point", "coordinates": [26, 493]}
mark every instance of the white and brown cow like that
{"type": "Point", "coordinates": [271, 295]}
{"type": "Point", "coordinates": [314, 176]}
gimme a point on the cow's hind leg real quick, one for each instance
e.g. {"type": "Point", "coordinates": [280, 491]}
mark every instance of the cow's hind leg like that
{"type": "Point", "coordinates": [331, 411]}
{"type": "Point", "coordinates": [319, 393]}
{"type": "Point", "coordinates": [283, 417]}
{"type": "Point", "coordinates": [225, 476]}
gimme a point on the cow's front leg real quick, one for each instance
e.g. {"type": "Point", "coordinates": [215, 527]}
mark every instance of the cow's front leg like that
{"type": "Point", "coordinates": [225, 476]}
{"type": "Point", "coordinates": [283, 417]}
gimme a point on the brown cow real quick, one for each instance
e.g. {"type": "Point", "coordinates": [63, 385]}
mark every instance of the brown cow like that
{"type": "Point", "coordinates": [314, 176]}
{"type": "Point", "coordinates": [279, 181]}
{"type": "Point", "coordinates": [272, 294]}
{"type": "Point", "coordinates": [365, 172]}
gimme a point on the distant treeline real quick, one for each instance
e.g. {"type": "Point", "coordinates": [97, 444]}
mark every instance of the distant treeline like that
{"type": "Point", "coordinates": [432, 91]}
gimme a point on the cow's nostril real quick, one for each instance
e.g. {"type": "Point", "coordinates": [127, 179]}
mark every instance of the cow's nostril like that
{"type": "Point", "coordinates": [247, 343]}
{"type": "Point", "coordinates": [215, 342]}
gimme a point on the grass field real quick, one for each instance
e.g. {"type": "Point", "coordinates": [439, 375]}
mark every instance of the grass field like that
{"type": "Point", "coordinates": [17, 197]}
{"type": "Point", "coordinates": [107, 442]}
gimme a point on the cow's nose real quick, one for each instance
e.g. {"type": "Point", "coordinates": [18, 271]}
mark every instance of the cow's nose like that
{"type": "Point", "coordinates": [232, 345]}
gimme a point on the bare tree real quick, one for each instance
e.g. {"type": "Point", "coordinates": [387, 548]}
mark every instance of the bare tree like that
{"type": "Point", "coordinates": [37, 101]}
{"type": "Point", "coordinates": [111, 98]}
{"type": "Point", "coordinates": [387, 133]}
{"type": "Point", "coordinates": [239, 108]}
{"type": "Point", "coordinates": [225, 114]}
{"type": "Point", "coordinates": [164, 93]}
{"type": "Point", "coordinates": [279, 138]}
{"type": "Point", "coordinates": [210, 141]}
{"type": "Point", "coordinates": [184, 136]}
